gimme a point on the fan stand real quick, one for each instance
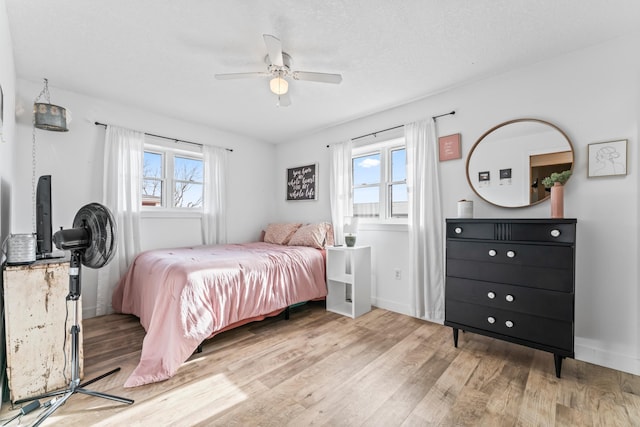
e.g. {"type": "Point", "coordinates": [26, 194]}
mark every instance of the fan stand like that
{"type": "Point", "coordinates": [74, 384]}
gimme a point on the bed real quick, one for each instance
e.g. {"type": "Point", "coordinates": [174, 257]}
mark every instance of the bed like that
{"type": "Point", "coordinates": [184, 296]}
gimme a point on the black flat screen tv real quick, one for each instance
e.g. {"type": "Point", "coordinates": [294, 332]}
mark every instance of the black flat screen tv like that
{"type": "Point", "coordinates": [43, 218]}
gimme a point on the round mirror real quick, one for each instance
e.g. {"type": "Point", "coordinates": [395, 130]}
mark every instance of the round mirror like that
{"type": "Point", "coordinates": [507, 164]}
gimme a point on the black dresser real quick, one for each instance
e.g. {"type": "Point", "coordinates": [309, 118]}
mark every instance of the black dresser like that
{"type": "Point", "coordinates": [513, 279]}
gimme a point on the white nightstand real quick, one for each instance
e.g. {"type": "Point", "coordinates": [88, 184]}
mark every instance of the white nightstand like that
{"type": "Point", "coordinates": [349, 280]}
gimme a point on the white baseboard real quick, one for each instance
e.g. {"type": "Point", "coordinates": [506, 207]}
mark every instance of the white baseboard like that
{"type": "Point", "coordinates": [88, 312]}
{"type": "Point", "coordinates": [587, 352]}
{"type": "Point", "coordinates": [394, 306]}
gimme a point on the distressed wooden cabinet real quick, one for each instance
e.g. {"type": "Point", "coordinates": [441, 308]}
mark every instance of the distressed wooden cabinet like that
{"type": "Point", "coordinates": [37, 327]}
{"type": "Point", "coordinates": [513, 279]}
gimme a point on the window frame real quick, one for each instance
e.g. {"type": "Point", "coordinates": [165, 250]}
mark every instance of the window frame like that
{"type": "Point", "coordinates": [174, 180]}
{"type": "Point", "coordinates": [169, 152]}
{"type": "Point", "coordinates": [385, 149]}
{"type": "Point", "coordinates": [162, 178]}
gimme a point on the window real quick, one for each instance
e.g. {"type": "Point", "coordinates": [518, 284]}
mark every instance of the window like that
{"type": "Point", "coordinates": [380, 181]}
{"type": "Point", "coordinates": [172, 178]}
{"type": "Point", "coordinates": [366, 185]}
{"type": "Point", "coordinates": [187, 181]}
{"type": "Point", "coordinates": [153, 179]}
{"type": "Point", "coordinates": [399, 206]}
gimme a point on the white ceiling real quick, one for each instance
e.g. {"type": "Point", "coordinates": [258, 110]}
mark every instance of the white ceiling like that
{"type": "Point", "coordinates": [161, 55]}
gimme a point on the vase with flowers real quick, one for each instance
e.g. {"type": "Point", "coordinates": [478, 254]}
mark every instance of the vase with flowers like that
{"type": "Point", "coordinates": [555, 182]}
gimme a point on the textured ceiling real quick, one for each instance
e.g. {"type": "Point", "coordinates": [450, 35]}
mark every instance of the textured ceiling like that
{"type": "Point", "coordinates": [161, 55]}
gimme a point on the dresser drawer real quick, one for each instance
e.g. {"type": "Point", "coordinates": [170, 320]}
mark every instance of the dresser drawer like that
{"type": "Point", "coordinates": [513, 230]}
{"type": "Point", "coordinates": [539, 330]}
{"type": "Point", "coordinates": [537, 302]}
{"type": "Point", "coordinates": [553, 279]}
{"type": "Point", "coordinates": [512, 253]}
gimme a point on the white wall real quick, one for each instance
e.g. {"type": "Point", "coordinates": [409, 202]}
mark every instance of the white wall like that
{"type": "Point", "coordinates": [75, 161]}
{"type": "Point", "coordinates": [8, 83]}
{"type": "Point", "coordinates": [7, 148]}
{"type": "Point", "coordinates": [593, 96]}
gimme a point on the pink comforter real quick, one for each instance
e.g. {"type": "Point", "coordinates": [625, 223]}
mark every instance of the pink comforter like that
{"type": "Point", "coordinates": [184, 296]}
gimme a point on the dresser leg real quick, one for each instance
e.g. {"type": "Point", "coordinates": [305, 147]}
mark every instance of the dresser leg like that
{"type": "Point", "coordinates": [558, 362]}
{"type": "Point", "coordinates": [455, 337]}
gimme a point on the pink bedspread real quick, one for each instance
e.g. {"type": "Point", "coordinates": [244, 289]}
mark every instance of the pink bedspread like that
{"type": "Point", "coordinates": [184, 296]}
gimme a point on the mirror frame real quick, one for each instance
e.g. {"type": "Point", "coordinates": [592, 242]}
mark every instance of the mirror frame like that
{"type": "Point", "coordinates": [509, 122]}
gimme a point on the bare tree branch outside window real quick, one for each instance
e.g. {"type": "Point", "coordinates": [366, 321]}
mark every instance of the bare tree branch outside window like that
{"type": "Point", "coordinates": [184, 178]}
{"type": "Point", "coordinates": [187, 192]}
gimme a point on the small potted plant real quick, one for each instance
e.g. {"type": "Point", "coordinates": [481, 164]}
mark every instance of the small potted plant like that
{"type": "Point", "coordinates": [556, 177]}
{"type": "Point", "coordinates": [350, 229]}
{"type": "Point", "coordinates": [556, 183]}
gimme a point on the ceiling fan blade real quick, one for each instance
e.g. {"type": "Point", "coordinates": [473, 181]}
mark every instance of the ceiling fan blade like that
{"type": "Point", "coordinates": [317, 77]}
{"type": "Point", "coordinates": [274, 49]}
{"type": "Point", "coordinates": [232, 76]}
{"type": "Point", "coordinates": [284, 100]}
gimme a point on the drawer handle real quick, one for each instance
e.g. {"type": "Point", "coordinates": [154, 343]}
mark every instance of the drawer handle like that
{"type": "Point", "coordinates": [509, 298]}
{"type": "Point", "coordinates": [491, 295]}
{"type": "Point", "coordinates": [511, 254]}
{"type": "Point", "coordinates": [491, 319]}
{"type": "Point", "coordinates": [508, 324]}
{"type": "Point", "coordinates": [492, 252]}
{"type": "Point", "coordinates": [555, 233]}
{"type": "Point", "coordinates": [458, 230]}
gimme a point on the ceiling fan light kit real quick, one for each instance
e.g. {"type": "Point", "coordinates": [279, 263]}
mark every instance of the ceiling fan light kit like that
{"type": "Point", "coordinates": [278, 68]}
{"type": "Point", "coordinates": [279, 85]}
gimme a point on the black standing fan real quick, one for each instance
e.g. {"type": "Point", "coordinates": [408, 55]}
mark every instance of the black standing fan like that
{"type": "Point", "coordinates": [92, 242]}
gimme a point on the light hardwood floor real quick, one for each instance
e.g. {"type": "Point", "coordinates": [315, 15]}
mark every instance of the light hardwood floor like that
{"type": "Point", "coordinates": [319, 368]}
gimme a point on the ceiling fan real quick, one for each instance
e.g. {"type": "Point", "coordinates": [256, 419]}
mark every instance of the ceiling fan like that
{"type": "Point", "coordinates": [279, 69]}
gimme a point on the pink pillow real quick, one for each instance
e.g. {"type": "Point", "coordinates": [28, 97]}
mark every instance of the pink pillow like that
{"type": "Point", "coordinates": [280, 233]}
{"type": "Point", "coordinates": [312, 235]}
{"type": "Point", "coordinates": [330, 238]}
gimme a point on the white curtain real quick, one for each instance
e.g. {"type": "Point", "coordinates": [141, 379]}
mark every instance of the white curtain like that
{"type": "Point", "coordinates": [122, 194]}
{"type": "Point", "coordinates": [426, 238]}
{"type": "Point", "coordinates": [340, 187]}
{"type": "Point", "coordinates": [214, 221]}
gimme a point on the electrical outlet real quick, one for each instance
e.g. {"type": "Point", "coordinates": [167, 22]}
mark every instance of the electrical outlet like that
{"type": "Point", "coordinates": [397, 274]}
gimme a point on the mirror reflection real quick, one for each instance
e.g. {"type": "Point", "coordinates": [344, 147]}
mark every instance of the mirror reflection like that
{"type": "Point", "coordinates": [507, 164]}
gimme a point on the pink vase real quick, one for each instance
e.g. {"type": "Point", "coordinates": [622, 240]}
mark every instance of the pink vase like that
{"type": "Point", "coordinates": [557, 200]}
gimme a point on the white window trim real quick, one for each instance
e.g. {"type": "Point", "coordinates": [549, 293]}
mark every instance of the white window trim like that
{"type": "Point", "coordinates": [168, 151]}
{"type": "Point", "coordinates": [150, 212]}
{"type": "Point", "coordinates": [384, 147]}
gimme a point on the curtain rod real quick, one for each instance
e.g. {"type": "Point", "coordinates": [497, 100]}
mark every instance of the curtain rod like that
{"type": "Point", "coordinates": [396, 127]}
{"type": "Point", "coordinates": [377, 132]}
{"type": "Point", "coordinates": [166, 137]}
{"type": "Point", "coordinates": [445, 114]}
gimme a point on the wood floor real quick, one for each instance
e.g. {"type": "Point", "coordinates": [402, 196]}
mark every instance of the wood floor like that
{"type": "Point", "coordinates": [319, 368]}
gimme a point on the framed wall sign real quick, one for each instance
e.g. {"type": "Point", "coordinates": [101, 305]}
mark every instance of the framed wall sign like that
{"type": "Point", "coordinates": [449, 147]}
{"type": "Point", "coordinates": [607, 158]}
{"type": "Point", "coordinates": [302, 182]}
